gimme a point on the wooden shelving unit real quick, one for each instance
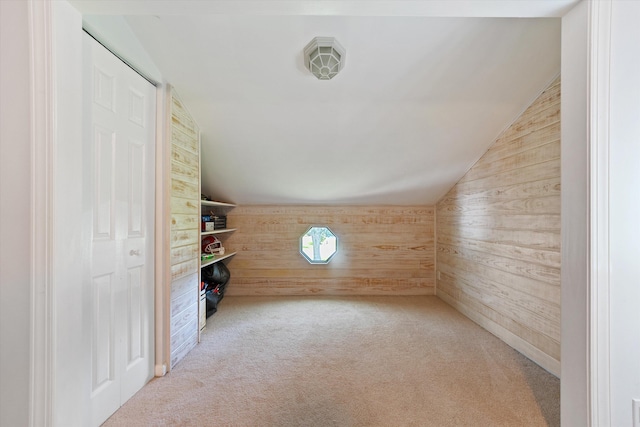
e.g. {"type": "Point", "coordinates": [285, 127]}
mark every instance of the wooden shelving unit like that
{"type": "Point", "coordinates": [224, 230]}
{"type": "Point", "coordinates": [218, 204]}
{"type": "Point", "coordinates": [216, 207]}
{"type": "Point", "coordinates": [216, 259]}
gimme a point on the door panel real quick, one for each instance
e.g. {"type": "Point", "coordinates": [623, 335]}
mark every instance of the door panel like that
{"type": "Point", "coordinates": [120, 110]}
{"type": "Point", "coordinates": [105, 380]}
{"type": "Point", "coordinates": [135, 314]}
{"type": "Point", "coordinates": [103, 334]}
{"type": "Point", "coordinates": [104, 183]}
{"type": "Point", "coordinates": [136, 189]}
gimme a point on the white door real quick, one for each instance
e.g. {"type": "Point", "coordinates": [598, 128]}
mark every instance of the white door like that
{"type": "Point", "coordinates": [119, 130]}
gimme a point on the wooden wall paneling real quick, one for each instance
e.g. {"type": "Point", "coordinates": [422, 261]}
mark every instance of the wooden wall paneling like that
{"type": "Point", "coordinates": [181, 323]}
{"type": "Point", "coordinates": [182, 286]}
{"type": "Point", "coordinates": [546, 170]}
{"type": "Point", "coordinates": [183, 269]}
{"type": "Point", "coordinates": [346, 286]}
{"type": "Point", "coordinates": [182, 302]}
{"type": "Point", "coordinates": [181, 206]}
{"type": "Point", "coordinates": [498, 235]}
{"type": "Point", "coordinates": [185, 139]}
{"type": "Point", "coordinates": [526, 142]}
{"type": "Point", "coordinates": [518, 267]}
{"type": "Point", "coordinates": [182, 312]}
{"type": "Point", "coordinates": [533, 255]}
{"type": "Point", "coordinates": [187, 173]}
{"type": "Point", "coordinates": [540, 114]}
{"type": "Point", "coordinates": [184, 221]}
{"type": "Point", "coordinates": [505, 281]}
{"type": "Point", "coordinates": [183, 238]}
{"type": "Point", "coordinates": [185, 253]}
{"type": "Point", "coordinates": [383, 250]}
{"type": "Point", "coordinates": [184, 231]}
{"type": "Point", "coordinates": [516, 334]}
{"type": "Point", "coordinates": [184, 164]}
{"type": "Point", "coordinates": [183, 189]}
{"type": "Point", "coordinates": [517, 222]}
{"type": "Point", "coordinates": [487, 287]}
{"type": "Point", "coordinates": [183, 342]}
{"type": "Point", "coordinates": [509, 198]}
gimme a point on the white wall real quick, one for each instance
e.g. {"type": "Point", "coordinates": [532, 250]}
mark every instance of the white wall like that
{"type": "Point", "coordinates": [71, 236]}
{"type": "Point", "coordinates": [15, 223]}
{"type": "Point", "coordinates": [600, 212]}
{"type": "Point", "coordinates": [624, 209]}
{"type": "Point", "coordinates": [575, 210]}
{"type": "Point", "coordinates": [15, 226]}
{"type": "Point", "coordinates": [115, 33]}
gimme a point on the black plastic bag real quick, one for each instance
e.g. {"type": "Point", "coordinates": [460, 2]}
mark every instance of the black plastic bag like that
{"type": "Point", "coordinates": [216, 274]}
{"type": "Point", "coordinates": [213, 298]}
{"type": "Point", "coordinates": [215, 277]}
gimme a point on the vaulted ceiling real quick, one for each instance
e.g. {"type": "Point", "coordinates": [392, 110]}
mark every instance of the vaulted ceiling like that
{"type": "Point", "coordinates": [427, 86]}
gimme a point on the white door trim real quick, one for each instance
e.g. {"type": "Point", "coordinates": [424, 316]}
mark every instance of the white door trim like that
{"type": "Point", "coordinates": [162, 238]}
{"type": "Point", "coordinates": [599, 265]}
{"type": "Point", "coordinates": [42, 358]}
{"type": "Point", "coordinates": [42, 377]}
{"type": "Point", "coordinates": [43, 116]}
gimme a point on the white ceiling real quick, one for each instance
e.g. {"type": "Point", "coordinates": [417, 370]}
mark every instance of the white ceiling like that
{"type": "Point", "coordinates": [420, 99]}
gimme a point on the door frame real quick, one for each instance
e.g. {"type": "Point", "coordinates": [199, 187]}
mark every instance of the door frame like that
{"type": "Point", "coordinates": [41, 381]}
{"type": "Point", "coordinates": [45, 49]}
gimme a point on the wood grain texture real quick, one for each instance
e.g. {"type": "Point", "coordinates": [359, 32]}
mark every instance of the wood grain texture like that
{"type": "Point", "coordinates": [184, 231]}
{"type": "Point", "coordinates": [382, 250]}
{"type": "Point", "coordinates": [498, 235]}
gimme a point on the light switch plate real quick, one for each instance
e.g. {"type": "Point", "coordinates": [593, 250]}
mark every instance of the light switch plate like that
{"type": "Point", "coordinates": [636, 412]}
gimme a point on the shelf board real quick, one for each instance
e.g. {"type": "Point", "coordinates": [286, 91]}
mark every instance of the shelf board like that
{"type": "Point", "coordinates": [222, 230]}
{"type": "Point", "coordinates": [217, 259]}
{"type": "Point", "coordinates": [219, 204]}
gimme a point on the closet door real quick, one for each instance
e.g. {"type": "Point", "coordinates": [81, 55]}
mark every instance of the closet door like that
{"type": "Point", "coordinates": [120, 137]}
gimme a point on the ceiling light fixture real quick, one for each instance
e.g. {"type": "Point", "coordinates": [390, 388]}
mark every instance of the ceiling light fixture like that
{"type": "Point", "coordinates": [324, 57]}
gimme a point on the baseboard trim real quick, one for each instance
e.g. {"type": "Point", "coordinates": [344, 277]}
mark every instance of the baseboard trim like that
{"type": "Point", "coordinates": [297, 291]}
{"type": "Point", "coordinates": [542, 359]}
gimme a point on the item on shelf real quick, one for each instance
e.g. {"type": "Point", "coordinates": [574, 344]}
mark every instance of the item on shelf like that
{"type": "Point", "coordinates": [214, 273]}
{"type": "Point", "coordinates": [212, 222]}
{"type": "Point", "coordinates": [220, 222]}
{"type": "Point", "coordinates": [211, 245]}
{"type": "Point", "coordinates": [216, 278]}
{"type": "Point", "coordinates": [207, 257]}
{"type": "Point", "coordinates": [207, 223]}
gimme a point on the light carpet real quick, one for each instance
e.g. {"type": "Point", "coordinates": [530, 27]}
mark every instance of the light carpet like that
{"type": "Point", "coordinates": [346, 361]}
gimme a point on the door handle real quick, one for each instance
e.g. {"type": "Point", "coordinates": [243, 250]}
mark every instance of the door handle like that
{"type": "Point", "coordinates": [134, 252]}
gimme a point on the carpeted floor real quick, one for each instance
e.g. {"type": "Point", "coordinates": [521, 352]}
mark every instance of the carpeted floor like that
{"type": "Point", "coordinates": [346, 361]}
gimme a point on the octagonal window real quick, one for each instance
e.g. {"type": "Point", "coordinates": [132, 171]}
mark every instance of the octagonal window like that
{"type": "Point", "coordinates": [318, 245]}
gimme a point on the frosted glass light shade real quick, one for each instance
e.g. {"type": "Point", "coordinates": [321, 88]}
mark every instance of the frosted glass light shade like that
{"type": "Point", "coordinates": [324, 57]}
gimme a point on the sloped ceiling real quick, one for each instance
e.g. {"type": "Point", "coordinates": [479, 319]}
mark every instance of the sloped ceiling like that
{"type": "Point", "coordinates": [420, 99]}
